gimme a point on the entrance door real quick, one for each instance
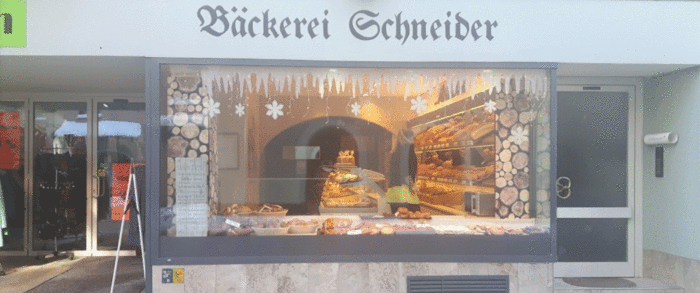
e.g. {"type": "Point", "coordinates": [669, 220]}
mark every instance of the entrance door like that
{"type": "Point", "coordinates": [595, 165]}
{"type": "Point", "coordinates": [71, 149]}
{"type": "Point", "coordinates": [120, 150]}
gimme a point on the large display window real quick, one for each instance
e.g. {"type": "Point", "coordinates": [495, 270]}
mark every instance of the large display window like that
{"type": "Point", "coordinates": [339, 161]}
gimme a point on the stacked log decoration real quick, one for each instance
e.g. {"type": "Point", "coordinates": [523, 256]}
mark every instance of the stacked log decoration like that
{"type": "Point", "coordinates": [514, 117]}
{"type": "Point", "coordinates": [542, 172]}
{"type": "Point", "coordinates": [191, 131]}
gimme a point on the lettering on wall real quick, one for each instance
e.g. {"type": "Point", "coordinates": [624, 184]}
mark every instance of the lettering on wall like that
{"type": "Point", "coordinates": [364, 25]}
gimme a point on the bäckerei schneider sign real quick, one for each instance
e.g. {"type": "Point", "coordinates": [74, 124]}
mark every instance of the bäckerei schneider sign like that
{"type": "Point", "coordinates": [364, 25]}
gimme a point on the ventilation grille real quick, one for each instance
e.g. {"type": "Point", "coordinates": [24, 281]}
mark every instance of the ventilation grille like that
{"type": "Point", "coordinates": [466, 284]}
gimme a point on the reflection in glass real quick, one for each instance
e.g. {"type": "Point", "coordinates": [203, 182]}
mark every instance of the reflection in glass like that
{"type": "Point", "coordinates": [12, 195]}
{"type": "Point", "coordinates": [119, 144]}
{"type": "Point", "coordinates": [60, 190]}
{"type": "Point", "coordinates": [410, 150]}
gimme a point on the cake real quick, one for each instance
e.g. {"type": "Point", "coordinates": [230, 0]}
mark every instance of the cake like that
{"type": "Point", "coordinates": [346, 158]}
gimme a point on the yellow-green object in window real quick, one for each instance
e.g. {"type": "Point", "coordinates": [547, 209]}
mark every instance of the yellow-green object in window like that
{"type": "Point", "coordinates": [401, 194]}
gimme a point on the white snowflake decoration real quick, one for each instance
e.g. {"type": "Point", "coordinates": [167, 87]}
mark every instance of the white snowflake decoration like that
{"type": "Point", "coordinates": [240, 110]}
{"type": "Point", "coordinates": [274, 109]}
{"type": "Point", "coordinates": [355, 108]}
{"type": "Point", "coordinates": [519, 135]}
{"type": "Point", "coordinates": [490, 106]}
{"type": "Point", "coordinates": [419, 105]}
{"type": "Point", "coordinates": [212, 109]}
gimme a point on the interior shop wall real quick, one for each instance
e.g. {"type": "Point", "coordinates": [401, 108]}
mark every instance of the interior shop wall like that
{"type": "Point", "coordinates": [527, 31]}
{"type": "Point", "coordinates": [671, 203]}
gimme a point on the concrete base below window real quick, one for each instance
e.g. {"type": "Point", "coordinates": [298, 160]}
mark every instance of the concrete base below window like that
{"type": "Point", "coordinates": [342, 277]}
{"type": "Point", "coordinates": [671, 269]}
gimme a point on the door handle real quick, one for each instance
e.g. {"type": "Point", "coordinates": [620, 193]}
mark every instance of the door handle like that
{"type": "Point", "coordinates": [563, 187]}
{"type": "Point", "coordinates": [101, 189]}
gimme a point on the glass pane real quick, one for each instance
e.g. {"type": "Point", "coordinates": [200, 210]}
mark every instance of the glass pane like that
{"type": "Point", "coordinates": [347, 147]}
{"type": "Point", "coordinates": [60, 187]}
{"type": "Point", "coordinates": [592, 240]}
{"type": "Point", "coordinates": [119, 144]}
{"type": "Point", "coordinates": [12, 152]}
{"type": "Point", "coordinates": [592, 141]}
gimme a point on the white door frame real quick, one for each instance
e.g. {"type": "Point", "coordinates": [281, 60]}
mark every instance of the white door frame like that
{"type": "Point", "coordinates": [633, 266]}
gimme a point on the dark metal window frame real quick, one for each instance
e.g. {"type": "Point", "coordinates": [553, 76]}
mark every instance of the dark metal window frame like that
{"type": "Point", "coordinates": [279, 249]}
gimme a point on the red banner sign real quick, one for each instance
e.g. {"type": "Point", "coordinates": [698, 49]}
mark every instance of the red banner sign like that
{"type": "Point", "coordinates": [10, 140]}
{"type": "Point", "coordinates": [120, 184]}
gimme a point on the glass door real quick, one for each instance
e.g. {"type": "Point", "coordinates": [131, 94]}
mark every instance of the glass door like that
{"type": "Point", "coordinates": [13, 125]}
{"type": "Point", "coordinates": [595, 165]}
{"type": "Point", "coordinates": [120, 150]}
{"type": "Point", "coordinates": [59, 186]}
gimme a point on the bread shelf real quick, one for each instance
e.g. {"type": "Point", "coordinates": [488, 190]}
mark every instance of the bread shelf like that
{"type": "Point", "coordinates": [453, 181]}
{"type": "Point", "coordinates": [452, 146]}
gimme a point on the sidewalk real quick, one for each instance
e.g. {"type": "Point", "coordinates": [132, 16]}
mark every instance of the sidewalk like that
{"type": "Point", "coordinates": [86, 274]}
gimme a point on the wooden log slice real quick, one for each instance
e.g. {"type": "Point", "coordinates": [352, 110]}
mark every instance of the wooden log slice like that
{"type": "Point", "coordinates": [192, 154]}
{"type": "Point", "coordinates": [171, 191]}
{"type": "Point", "coordinates": [521, 180]}
{"type": "Point", "coordinates": [175, 130]}
{"type": "Point", "coordinates": [173, 85]}
{"type": "Point", "coordinates": [501, 104]}
{"type": "Point", "coordinates": [503, 132]}
{"type": "Point", "coordinates": [509, 195]}
{"type": "Point", "coordinates": [194, 144]}
{"type": "Point", "coordinates": [195, 99]}
{"type": "Point", "coordinates": [180, 118]}
{"type": "Point", "coordinates": [170, 79]}
{"type": "Point", "coordinates": [180, 105]}
{"type": "Point", "coordinates": [205, 156]}
{"type": "Point", "coordinates": [190, 131]}
{"type": "Point", "coordinates": [198, 108]}
{"type": "Point", "coordinates": [508, 117]}
{"type": "Point", "coordinates": [520, 160]}
{"type": "Point", "coordinates": [525, 195]}
{"type": "Point", "coordinates": [501, 182]}
{"type": "Point", "coordinates": [177, 95]}
{"type": "Point", "coordinates": [202, 148]}
{"type": "Point", "coordinates": [171, 164]}
{"type": "Point", "coordinates": [191, 108]}
{"type": "Point", "coordinates": [171, 181]}
{"type": "Point", "coordinates": [504, 156]}
{"type": "Point", "coordinates": [177, 146]}
{"type": "Point", "coordinates": [202, 91]}
{"type": "Point", "coordinates": [503, 211]}
{"type": "Point", "coordinates": [518, 208]}
{"type": "Point", "coordinates": [513, 148]}
{"type": "Point", "coordinates": [508, 177]}
{"type": "Point", "coordinates": [204, 136]}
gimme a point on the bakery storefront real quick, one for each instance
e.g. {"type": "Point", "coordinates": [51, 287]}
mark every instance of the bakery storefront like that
{"type": "Point", "coordinates": [363, 146]}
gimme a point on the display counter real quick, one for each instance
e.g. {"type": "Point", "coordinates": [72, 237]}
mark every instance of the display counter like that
{"type": "Point", "coordinates": [330, 161]}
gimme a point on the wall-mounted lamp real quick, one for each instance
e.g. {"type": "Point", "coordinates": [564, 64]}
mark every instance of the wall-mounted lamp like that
{"type": "Point", "coordinates": [659, 139]}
